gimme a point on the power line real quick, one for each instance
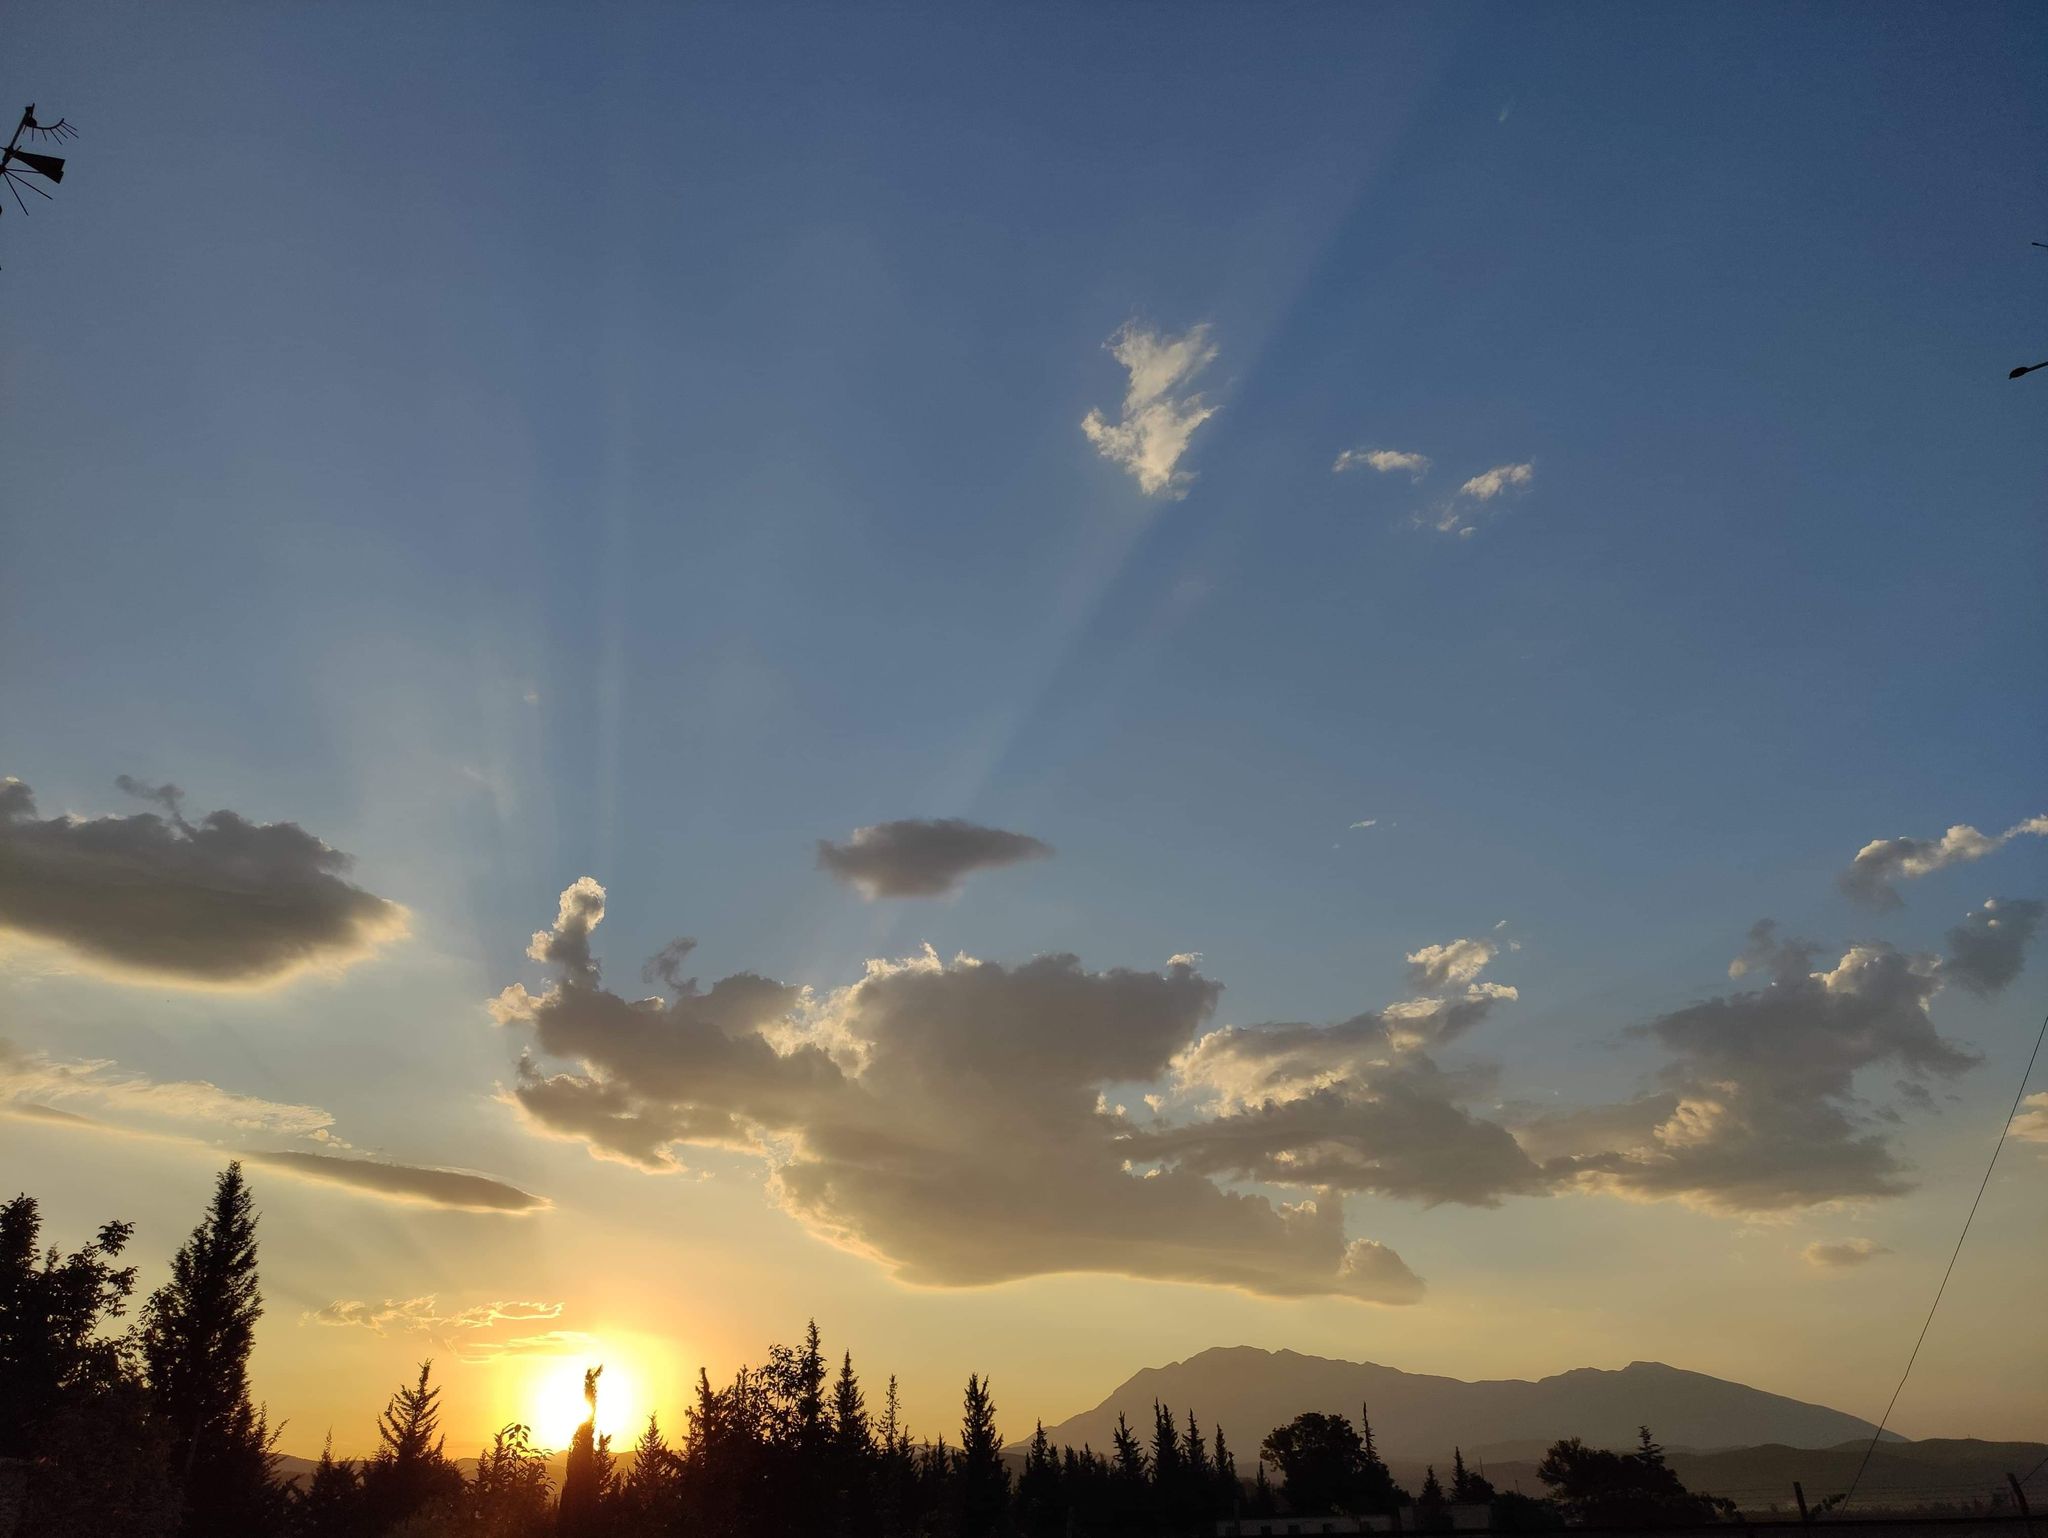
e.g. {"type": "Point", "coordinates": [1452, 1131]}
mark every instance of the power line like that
{"type": "Point", "coordinates": [2004, 1128]}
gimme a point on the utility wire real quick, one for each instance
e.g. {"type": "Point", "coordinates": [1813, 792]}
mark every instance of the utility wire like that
{"type": "Point", "coordinates": [2004, 1127]}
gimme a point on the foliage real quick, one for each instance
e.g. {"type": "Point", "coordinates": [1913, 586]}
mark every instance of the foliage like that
{"type": "Point", "coordinates": [1594, 1487]}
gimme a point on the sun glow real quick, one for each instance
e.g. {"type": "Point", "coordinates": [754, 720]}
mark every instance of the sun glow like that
{"type": "Point", "coordinates": [555, 1400]}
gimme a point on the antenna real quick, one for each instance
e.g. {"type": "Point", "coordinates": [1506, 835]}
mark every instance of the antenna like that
{"type": "Point", "coordinates": [18, 165]}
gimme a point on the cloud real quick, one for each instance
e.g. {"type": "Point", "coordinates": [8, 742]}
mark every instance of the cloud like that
{"type": "Point", "coordinates": [923, 858]}
{"type": "Point", "coordinates": [1987, 950]}
{"type": "Point", "coordinates": [1834, 1255]}
{"type": "Point", "coordinates": [1449, 965]}
{"type": "Point", "coordinates": [400, 1182]}
{"type": "Point", "coordinates": [1882, 862]}
{"type": "Point", "coordinates": [1489, 484]}
{"type": "Point", "coordinates": [1385, 461]}
{"type": "Point", "coordinates": [185, 1111]}
{"type": "Point", "coordinates": [221, 903]}
{"type": "Point", "coordinates": [949, 1119]}
{"type": "Point", "coordinates": [99, 1083]}
{"type": "Point", "coordinates": [2031, 1124]}
{"type": "Point", "coordinates": [1152, 434]}
{"type": "Point", "coordinates": [1756, 1109]}
{"type": "Point", "coordinates": [456, 1331]}
{"type": "Point", "coordinates": [1366, 822]}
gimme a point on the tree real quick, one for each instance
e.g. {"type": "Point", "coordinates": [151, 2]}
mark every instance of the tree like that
{"type": "Point", "coordinates": [53, 1308]}
{"type": "Point", "coordinates": [1594, 1487]}
{"type": "Point", "coordinates": [1320, 1459]}
{"type": "Point", "coordinates": [508, 1495]}
{"type": "Point", "coordinates": [1467, 1487]}
{"type": "Point", "coordinates": [1229, 1492]}
{"type": "Point", "coordinates": [652, 1496]}
{"type": "Point", "coordinates": [1130, 1458]}
{"type": "Point", "coordinates": [410, 1472]}
{"type": "Point", "coordinates": [330, 1503]}
{"type": "Point", "coordinates": [197, 1332]}
{"type": "Point", "coordinates": [1432, 1510]}
{"type": "Point", "coordinates": [984, 1481]}
{"type": "Point", "coordinates": [1038, 1487]}
{"type": "Point", "coordinates": [586, 1477]}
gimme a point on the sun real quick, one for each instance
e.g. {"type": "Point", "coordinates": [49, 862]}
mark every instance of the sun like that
{"type": "Point", "coordinates": [555, 1399]}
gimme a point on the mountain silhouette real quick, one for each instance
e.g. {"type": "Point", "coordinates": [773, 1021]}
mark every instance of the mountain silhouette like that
{"type": "Point", "coordinates": [1415, 1415]}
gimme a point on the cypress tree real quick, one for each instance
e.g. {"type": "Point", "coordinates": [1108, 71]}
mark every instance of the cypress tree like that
{"type": "Point", "coordinates": [583, 1475]}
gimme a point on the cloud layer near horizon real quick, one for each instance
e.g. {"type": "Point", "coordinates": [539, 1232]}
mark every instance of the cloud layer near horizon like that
{"type": "Point", "coordinates": [960, 1120]}
{"type": "Point", "coordinates": [220, 903]}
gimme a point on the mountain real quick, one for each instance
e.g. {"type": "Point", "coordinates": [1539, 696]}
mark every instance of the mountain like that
{"type": "Point", "coordinates": [1416, 1416]}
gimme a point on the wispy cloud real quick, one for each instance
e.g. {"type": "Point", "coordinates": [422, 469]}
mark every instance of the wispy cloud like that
{"type": "Point", "coordinates": [1365, 822]}
{"type": "Point", "coordinates": [457, 1330]}
{"type": "Point", "coordinates": [1872, 876]}
{"type": "Point", "coordinates": [1833, 1255]}
{"type": "Point", "coordinates": [1456, 515]}
{"type": "Point", "coordinates": [1159, 415]}
{"type": "Point", "coordinates": [1386, 461]}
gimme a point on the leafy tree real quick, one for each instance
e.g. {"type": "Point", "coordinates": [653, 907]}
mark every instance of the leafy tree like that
{"type": "Point", "coordinates": [1320, 1459]}
{"type": "Point", "coordinates": [53, 1309]}
{"type": "Point", "coordinates": [508, 1495]}
{"type": "Point", "coordinates": [197, 1332]}
{"type": "Point", "coordinates": [984, 1480]}
{"type": "Point", "coordinates": [1594, 1487]}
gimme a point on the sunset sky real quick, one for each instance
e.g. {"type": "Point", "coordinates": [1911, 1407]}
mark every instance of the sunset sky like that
{"type": "Point", "coordinates": [1362, 679]}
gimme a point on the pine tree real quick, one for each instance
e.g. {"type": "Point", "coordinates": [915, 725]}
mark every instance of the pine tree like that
{"type": "Point", "coordinates": [1262, 1491]}
{"type": "Point", "coordinates": [984, 1481]}
{"type": "Point", "coordinates": [330, 1503]}
{"type": "Point", "coordinates": [410, 1472]}
{"type": "Point", "coordinates": [1468, 1488]}
{"type": "Point", "coordinates": [508, 1497]}
{"type": "Point", "coordinates": [197, 1332]}
{"type": "Point", "coordinates": [851, 1432]}
{"type": "Point", "coordinates": [1038, 1488]}
{"type": "Point", "coordinates": [1130, 1459]}
{"type": "Point", "coordinates": [1166, 1455]}
{"type": "Point", "coordinates": [1228, 1492]}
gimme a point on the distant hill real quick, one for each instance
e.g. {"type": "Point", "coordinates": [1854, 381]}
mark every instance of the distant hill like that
{"type": "Point", "coordinates": [1416, 1416]}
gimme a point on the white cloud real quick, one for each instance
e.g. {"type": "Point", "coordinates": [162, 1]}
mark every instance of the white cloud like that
{"type": "Point", "coordinates": [1385, 461]}
{"type": "Point", "coordinates": [100, 1084]}
{"type": "Point", "coordinates": [1367, 822]}
{"type": "Point", "coordinates": [1490, 484]}
{"type": "Point", "coordinates": [1884, 861]}
{"type": "Point", "coordinates": [1833, 1255]}
{"type": "Point", "coordinates": [2031, 1124]}
{"type": "Point", "coordinates": [1159, 416]}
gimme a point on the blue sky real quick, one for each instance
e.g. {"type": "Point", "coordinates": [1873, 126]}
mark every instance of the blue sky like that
{"type": "Point", "coordinates": [518, 445]}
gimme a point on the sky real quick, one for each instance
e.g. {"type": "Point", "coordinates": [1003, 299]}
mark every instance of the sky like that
{"type": "Point", "coordinates": [1363, 679]}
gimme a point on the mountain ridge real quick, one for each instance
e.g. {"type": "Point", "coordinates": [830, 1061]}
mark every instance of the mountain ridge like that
{"type": "Point", "coordinates": [1423, 1415]}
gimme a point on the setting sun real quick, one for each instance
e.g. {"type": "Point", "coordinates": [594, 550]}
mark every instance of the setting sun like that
{"type": "Point", "coordinates": [554, 1408]}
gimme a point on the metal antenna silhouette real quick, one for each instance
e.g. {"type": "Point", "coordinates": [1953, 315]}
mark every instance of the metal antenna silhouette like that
{"type": "Point", "coordinates": [2029, 368]}
{"type": "Point", "coordinates": [17, 165]}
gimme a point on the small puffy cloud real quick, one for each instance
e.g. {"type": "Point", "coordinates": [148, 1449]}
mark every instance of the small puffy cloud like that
{"type": "Point", "coordinates": [1833, 1255]}
{"type": "Point", "coordinates": [2030, 1125]}
{"type": "Point", "coordinates": [1879, 865]}
{"type": "Point", "coordinates": [220, 903]}
{"type": "Point", "coordinates": [1159, 416]}
{"type": "Point", "coordinates": [1489, 484]}
{"type": "Point", "coordinates": [950, 1119]}
{"type": "Point", "coordinates": [921, 857]}
{"type": "Point", "coordinates": [1385, 461]}
{"type": "Point", "coordinates": [400, 1182]}
{"type": "Point", "coordinates": [1450, 965]}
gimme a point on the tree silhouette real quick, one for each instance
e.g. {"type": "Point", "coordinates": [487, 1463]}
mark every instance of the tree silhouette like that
{"type": "Point", "coordinates": [984, 1480]}
{"type": "Point", "coordinates": [507, 1497]}
{"type": "Point", "coordinates": [197, 1332]}
{"type": "Point", "coordinates": [1594, 1487]}
{"type": "Point", "coordinates": [410, 1473]}
{"type": "Point", "coordinates": [585, 1477]}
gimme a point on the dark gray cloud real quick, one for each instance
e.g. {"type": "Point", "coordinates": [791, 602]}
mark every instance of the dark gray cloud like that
{"type": "Point", "coordinates": [221, 903]}
{"type": "Point", "coordinates": [1987, 950]}
{"type": "Point", "coordinates": [1872, 876]}
{"type": "Point", "coordinates": [1757, 1108]}
{"type": "Point", "coordinates": [403, 1182]}
{"type": "Point", "coordinates": [923, 858]}
{"type": "Point", "coordinates": [950, 1119]}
